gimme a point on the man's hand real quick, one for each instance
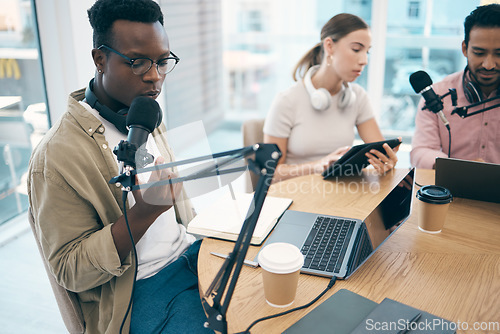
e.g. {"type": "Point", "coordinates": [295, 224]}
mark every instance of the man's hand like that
{"type": "Point", "coordinates": [160, 198]}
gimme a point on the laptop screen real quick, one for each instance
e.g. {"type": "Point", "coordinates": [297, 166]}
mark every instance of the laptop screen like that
{"type": "Point", "coordinates": [469, 179]}
{"type": "Point", "coordinates": [394, 209]}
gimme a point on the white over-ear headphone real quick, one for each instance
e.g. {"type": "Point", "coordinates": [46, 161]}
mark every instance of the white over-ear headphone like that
{"type": "Point", "coordinates": [321, 97]}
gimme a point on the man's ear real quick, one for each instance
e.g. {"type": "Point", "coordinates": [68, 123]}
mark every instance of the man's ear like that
{"type": "Point", "coordinates": [99, 58]}
{"type": "Point", "coordinates": [464, 49]}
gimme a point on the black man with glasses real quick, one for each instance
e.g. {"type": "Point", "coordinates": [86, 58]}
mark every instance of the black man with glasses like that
{"type": "Point", "coordinates": [78, 214]}
{"type": "Point", "coordinates": [142, 65]}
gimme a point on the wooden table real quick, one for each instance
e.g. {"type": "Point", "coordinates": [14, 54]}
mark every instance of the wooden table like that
{"type": "Point", "coordinates": [454, 274]}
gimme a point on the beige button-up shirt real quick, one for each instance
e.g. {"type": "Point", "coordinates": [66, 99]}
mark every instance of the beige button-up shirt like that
{"type": "Point", "coordinates": [74, 206]}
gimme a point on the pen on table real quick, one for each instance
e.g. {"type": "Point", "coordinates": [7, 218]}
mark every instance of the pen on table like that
{"type": "Point", "coordinates": [412, 321]}
{"type": "Point", "coordinates": [249, 263]}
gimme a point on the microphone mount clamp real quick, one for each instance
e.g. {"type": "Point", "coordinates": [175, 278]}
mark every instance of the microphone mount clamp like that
{"type": "Point", "coordinates": [463, 111]}
{"type": "Point", "coordinates": [437, 105]}
{"type": "Point", "coordinates": [130, 156]}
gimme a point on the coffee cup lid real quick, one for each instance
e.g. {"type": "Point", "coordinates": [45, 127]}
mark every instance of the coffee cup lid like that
{"type": "Point", "coordinates": [434, 194]}
{"type": "Point", "coordinates": [281, 258]}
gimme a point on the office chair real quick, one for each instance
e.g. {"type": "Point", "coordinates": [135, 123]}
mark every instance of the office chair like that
{"type": "Point", "coordinates": [252, 134]}
{"type": "Point", "coordinates": [67, 301]}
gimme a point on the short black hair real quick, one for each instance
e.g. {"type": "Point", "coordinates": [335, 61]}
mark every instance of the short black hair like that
{"type": "Point", "coordinates": [104, 13]}
{"type": "Point", "coordinates": [487, 16]}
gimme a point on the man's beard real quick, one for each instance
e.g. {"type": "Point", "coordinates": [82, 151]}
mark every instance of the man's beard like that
{"type": "Point", "coordinates": [474, 78]}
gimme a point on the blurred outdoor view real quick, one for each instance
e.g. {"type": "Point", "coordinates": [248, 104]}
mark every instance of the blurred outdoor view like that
{"type": "Point", "coordinates": [23, 116]}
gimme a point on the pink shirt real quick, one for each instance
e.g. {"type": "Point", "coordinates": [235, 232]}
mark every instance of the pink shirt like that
{"type": "Point", "coordinates": [474, 137]}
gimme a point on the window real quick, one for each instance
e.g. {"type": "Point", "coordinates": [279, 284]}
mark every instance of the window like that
{"type": "Point", "coordinates": [23, 114]}
{"type": "Point", "coordinates": [432, 44]}
{"type": "Point", "coordinates": [414, 9]}
{"type": "Point", "coordinates": [253, 21]}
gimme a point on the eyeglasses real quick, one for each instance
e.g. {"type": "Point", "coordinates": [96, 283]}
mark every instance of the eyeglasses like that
{"type": "Point", "coordinates": [141, 66]}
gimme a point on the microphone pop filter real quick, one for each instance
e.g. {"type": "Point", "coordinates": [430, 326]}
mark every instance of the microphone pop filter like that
{"type": "Point", "coordinates": [145, 112]}
{"type": "Point", "coordinates": [420, 80]}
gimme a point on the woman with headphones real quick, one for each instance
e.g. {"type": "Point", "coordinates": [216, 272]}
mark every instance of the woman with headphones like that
{"type": "Point", "coordinates": [313, 121]}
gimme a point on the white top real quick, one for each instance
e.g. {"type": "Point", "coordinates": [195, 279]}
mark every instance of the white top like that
{"type": "Point", "coordinates": [314, 134]}
{"type": "Point", "coordinates": [165, 240]}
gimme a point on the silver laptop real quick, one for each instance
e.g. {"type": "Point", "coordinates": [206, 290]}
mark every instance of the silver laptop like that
{"type": "Point", "coordinates": [469, 179]}
{"type": "Point", "coordinates": [337, 246]}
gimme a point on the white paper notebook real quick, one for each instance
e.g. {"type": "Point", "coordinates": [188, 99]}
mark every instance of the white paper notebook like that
{"type": "Point", "coordinates": [225, 217]}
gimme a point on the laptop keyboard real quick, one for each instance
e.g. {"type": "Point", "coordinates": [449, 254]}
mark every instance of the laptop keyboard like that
{"type": "Point", "coordinates": [326, 244]}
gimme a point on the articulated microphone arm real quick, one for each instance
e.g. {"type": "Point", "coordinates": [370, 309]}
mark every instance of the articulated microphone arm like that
{"type": "Point", "coordinates": [127, 178]}
{"type": "Point", "coordinates": [218, 296]}
{"type": "Point", "coordinates": [463, 111]}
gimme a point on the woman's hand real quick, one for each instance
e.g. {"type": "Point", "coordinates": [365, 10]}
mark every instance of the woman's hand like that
{"type": "Point", "coordinates": [383, 162]}
{"type": "Point", "coordinates": [332, 158]}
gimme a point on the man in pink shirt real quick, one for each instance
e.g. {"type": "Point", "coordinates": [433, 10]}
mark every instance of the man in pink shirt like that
{"type": "Point", "coordinates": [476, 137]}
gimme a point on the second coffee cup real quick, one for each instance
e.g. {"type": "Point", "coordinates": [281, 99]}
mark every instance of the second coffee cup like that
{"type": "Point", "coordinates": [280, 263]}
{"type": "Point", "coordinates": [434, 203]}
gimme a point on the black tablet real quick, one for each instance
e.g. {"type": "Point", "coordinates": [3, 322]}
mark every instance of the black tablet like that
{"type": "Point", "coordinates": [353, 162]}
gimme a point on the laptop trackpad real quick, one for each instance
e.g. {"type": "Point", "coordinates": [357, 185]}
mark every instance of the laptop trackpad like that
{"type": "Point", "coordinates": [292, 233]}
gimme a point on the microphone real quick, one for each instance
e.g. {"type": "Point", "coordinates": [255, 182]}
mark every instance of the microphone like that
{"type": "Point", "coordinates": [143, 117]}
{"type": "Point", "coordinates": [422, 84]}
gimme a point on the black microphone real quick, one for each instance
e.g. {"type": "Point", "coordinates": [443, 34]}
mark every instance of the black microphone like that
{"type": "Point", "coordinates": [143, 117]}
{"type": "Point", "coordinates": [422, 84]}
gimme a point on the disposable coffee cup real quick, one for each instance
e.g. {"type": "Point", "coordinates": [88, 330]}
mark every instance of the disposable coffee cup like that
{"type": "Point", "coordinates": [280, 263]}
{"type": "Point", "coordinates": [434, 203]}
